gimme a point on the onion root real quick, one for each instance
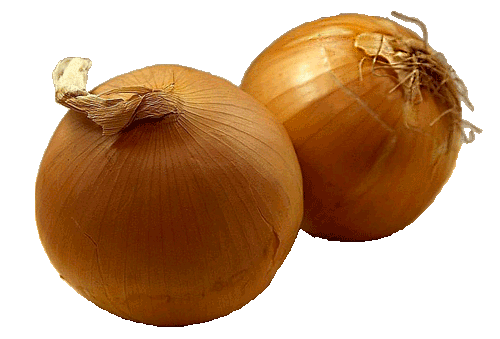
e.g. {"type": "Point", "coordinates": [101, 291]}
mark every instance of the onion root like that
{"type": "Point", "coordinates": [417, 66]}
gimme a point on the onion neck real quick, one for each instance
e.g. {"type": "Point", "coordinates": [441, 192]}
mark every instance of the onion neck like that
{"type": "Point", "coordinates": [113, 110]}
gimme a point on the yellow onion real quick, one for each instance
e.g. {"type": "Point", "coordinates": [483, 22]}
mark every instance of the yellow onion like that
{"type": "Point", "coordinates": [375, 117]}
{"type": "Point", "coordinates": [167, 195]}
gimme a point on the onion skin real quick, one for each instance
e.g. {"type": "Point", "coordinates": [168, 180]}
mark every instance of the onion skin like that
{"type": "Point", "coordinates": [372, 161]}
{"type": "Point", "coordinates": [172, 221]}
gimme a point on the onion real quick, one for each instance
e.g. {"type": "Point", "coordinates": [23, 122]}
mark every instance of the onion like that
{"type": "Point", "coordinates": [375, 117]}
{"type": "Point", "coordinates": [175, 203]}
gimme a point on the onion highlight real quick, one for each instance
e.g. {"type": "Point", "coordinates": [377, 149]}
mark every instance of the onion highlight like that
{"type": "Point", "coordinates": [375, 117]}
{"type": "Point", "coordinates": [167, 195]}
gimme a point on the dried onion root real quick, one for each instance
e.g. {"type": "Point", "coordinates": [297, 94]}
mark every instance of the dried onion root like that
{"type": "Point", "coordinates": [417, 66]}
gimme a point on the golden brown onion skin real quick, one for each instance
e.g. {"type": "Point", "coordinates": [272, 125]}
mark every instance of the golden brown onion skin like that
{"type": "Point", "coordinates": [367, 172]}
{"type": "Point", "coordinates": [174, 221]}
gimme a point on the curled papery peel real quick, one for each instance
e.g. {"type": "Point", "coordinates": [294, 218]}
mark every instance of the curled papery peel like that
{"type": "Point", "coordinates": [110, 110]}
{"type": "Point", "coordinates": [70, 78]}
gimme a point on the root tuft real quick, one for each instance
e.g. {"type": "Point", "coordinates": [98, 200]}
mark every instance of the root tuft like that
{"type": "Point", "coordinates": [416, 66]}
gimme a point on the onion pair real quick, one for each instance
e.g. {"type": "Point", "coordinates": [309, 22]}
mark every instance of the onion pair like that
{"type": "Point", "coordinates": [167, 195]}
{"type": "Point", "coordinates": [374, 114]}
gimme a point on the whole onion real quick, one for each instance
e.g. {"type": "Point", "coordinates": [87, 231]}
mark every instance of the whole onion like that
{"type": "Point", "coordinates": [375, 117]}
{"type": "Point", "coordinates": [167, 195]}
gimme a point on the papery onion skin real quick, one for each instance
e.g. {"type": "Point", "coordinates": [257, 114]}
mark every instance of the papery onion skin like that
{"type": "Point", "coordinates": [172, 221]}
{"type": "Point", "coordinates": [372, 160]}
